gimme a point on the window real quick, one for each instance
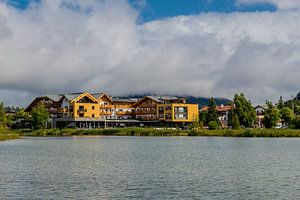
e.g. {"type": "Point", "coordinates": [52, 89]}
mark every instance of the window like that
{"type": "Point", "coordinates": [93, 107]}
{"type": "Point", "coordinates": [168, 108]}
{"type": "Point", "coordinates": [93, 115]}
{"type": "Point", "coordinates": [81, 109]}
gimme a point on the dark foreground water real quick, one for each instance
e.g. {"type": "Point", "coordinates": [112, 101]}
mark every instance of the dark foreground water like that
{"type": "Point", "coordinates": [150, 168]}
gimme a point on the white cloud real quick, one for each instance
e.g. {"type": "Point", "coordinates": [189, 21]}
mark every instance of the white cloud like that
{"type": "Point", "coordinates": [100, 47]}
{"type": "Point", "coordinates": [281, 4]}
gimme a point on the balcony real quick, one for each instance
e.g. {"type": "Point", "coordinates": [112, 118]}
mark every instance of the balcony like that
{"type": "Point", "coordinates": [124, 113]}
{"type": "Point", "coordinates": [147, 118]}
{"type": "Point", "coordinates": [145, 112]}
{"type": "Point", "coordinates": [105, 113]}
{"type": "Point", "coordinates": [151, 105]}
{"type": "Point", "coordinates": [106, 106]}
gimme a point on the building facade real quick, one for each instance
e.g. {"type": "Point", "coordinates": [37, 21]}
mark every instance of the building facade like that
{"type": "Point", "coordinates": [178, 114]}
{"type": "Point", "coordinates": [260, 114]}
{"type": "Point", "coordinates": [85, 110]}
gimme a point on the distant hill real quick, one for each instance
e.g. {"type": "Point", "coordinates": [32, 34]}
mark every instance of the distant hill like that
{"type": "Point", "coordinates": [201, 101]}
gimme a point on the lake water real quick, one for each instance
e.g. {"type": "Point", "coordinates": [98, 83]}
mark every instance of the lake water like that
{"type": "Point", "coordinates": [150, 168]}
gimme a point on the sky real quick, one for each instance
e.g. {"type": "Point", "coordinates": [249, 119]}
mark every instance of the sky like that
{"type": "Point", "coordinates": [127, 47]}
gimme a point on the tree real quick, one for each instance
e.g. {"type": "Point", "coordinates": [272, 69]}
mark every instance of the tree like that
{"type": "Point", "coordinates": [212, 113]}
{"type": "Point", "coordinates": [244, 110]}
{"type": "Point", "coordinates": [203, 116]}
{"type": "Point", "coordinates": [286, 114]}
{"type": "Point", "coordinates": [233, 120]}
{"type": "Point", "coordinates": [295, 123]}
{"type": "Point", "coordinates": [272, 116]}
{"type": "Point", "coordinates": [294, 105]}
{"type": "Point", "coordinates": [3, 119]}
{"type": "Point", "coordinates": [280, 103]}
{"type": "Point", "coordinates": [297, 110]}
{"type": "Point", "coordinates": [39, 117]}
{"type": "Point", "coordinates": [21, 114]}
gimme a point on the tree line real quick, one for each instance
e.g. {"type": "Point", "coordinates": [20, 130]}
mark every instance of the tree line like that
{"type": "Point", "coordinates": [243, 114]}
{"type": "Point", "coordinates": [38, 117]}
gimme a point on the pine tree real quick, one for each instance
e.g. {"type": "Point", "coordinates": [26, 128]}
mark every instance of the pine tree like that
{"type": "Point", "coordinates": [203, 117]}
{"type": "Point", "coordinates": [233, 120]}
{"type": "Point", "coordinates": [212, 113]}
{"type": "Point", "coordinates": [280, 103]}
{"type": "Point", "coordinates": [3, 119]}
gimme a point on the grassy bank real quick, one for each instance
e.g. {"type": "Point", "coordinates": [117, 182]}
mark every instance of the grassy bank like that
{"type": "Point", "coordinates": [247, 133]}
{"type": "Point", "coordinates": [8, 135]}
{"type": "Point", "coordinates": [164, 132]}
{"type": "Point", "coordinates": [108, 132]}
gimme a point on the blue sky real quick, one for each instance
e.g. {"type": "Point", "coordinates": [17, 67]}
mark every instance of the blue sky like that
{"type": "Point", "coordinates": [159, 9]}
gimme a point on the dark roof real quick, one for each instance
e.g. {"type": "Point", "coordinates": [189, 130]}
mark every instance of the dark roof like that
{"type": "Point", "coordinates": [155, 98]}
{"type": "Point", "coordinates": [126, 100]}
{"type": "Point", "coordinates": [97, 95]}
{"type": "Point", "coordinates": [71, 96]}
{"type": "Point", "coordinates": [163, 98]}
{"type": "Point", "coordinates": [221, 108]}
{"type": "Point", "coordinates": [54, 97]}
{"type": "Point", "coordinates": [261, 106]}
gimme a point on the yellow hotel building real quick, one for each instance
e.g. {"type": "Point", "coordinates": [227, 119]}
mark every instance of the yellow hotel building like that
{"type": "Point", "coordinates": [85, 110]}
{"type": "Point", "coordinates": [178, 112]}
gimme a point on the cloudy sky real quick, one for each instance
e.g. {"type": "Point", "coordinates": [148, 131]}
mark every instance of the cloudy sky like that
{"type": "Point", "coordinates": [197, 47]}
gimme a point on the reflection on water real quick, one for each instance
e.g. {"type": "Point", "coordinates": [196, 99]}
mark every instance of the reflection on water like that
{"type": "Point", "coordinates": [150, 168]}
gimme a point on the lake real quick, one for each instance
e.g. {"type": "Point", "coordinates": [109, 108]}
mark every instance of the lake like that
{"type": "Point", "coordinates": [150, 168]}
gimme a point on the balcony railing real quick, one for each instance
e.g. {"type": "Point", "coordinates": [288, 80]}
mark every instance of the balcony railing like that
{"type": "Point", "coordinates": [138, 112]}
{"type": "Point", "coordinates": [106, 106]}
{"type": "Point", "coordinates": [147, 118]}
{"type": "Point", "coordinates": [105, 113]}
{"type": "Point", "coordinates": [124, 113]}
{"type": "Point", "coordinates": [148, 105]}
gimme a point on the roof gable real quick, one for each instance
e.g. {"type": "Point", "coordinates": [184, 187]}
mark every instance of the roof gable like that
{"type": "Point", "coordinates": [104, 97]}
{"type": "Point", "coordinates": [87, 96]}
{"type": "Point", "coordinates": [264, 107]}
{"type": "Point", "coordinates": [146, 98]}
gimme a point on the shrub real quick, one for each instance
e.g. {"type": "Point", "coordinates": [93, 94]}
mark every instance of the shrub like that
{"type": "Point", "coordinates": [295, 123]}
{"type": "Point", "coordinates": [212, 125]}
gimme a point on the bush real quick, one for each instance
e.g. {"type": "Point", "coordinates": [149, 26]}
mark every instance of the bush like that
{"type": "Point", "coordinates": [295, 123]}
{"type": "Point", "coordinates": [213, 125]}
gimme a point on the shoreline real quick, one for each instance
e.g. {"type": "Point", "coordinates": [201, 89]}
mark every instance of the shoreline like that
{"type": "Point", "coordinates": [5, 137]}
{"type": "Point", "coordinates": [163, 132]}
{"type": "Point", "coordinates": [146, 132]}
